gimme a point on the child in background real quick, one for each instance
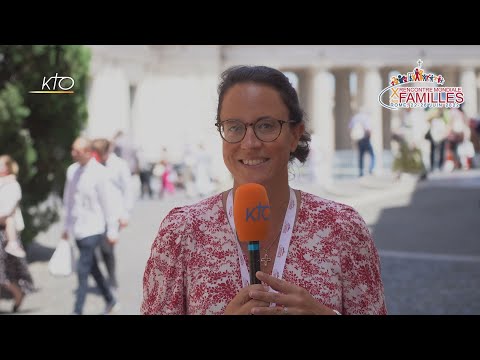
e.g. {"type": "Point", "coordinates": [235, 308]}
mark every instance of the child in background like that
{"type": "Point", "coordinates": [10, 218]}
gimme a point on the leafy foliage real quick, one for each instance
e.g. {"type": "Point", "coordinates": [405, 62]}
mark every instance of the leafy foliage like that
{"type": "Point", "coordinates": [37, 130]}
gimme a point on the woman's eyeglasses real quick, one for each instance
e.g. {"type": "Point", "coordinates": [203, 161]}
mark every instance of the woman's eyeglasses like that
{"type": "Point", "coordinates": [265, 129]}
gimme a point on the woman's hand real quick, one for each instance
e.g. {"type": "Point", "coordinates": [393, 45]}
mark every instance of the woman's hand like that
{"type": "Point", "coordinates": [290, 299]}
{"type": "Point", "coordinates": [242, 303]}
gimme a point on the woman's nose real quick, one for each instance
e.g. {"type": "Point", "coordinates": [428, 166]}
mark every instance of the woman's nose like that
{"type": "Point", "coordinates": [250, 140]}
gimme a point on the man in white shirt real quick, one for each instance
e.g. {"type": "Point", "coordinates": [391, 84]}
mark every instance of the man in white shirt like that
{"type": "Point", "coordinates": [88, 208]}
{"type": "Point", "coordinates": [360, 132]}
{"type": "Point", "coordinates": [121, 179]}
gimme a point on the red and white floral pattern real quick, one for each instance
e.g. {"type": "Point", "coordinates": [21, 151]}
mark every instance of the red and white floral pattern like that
{"type": "Point", "coordinates": [194, 269]}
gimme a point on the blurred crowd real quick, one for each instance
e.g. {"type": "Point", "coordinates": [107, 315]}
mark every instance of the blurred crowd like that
{"type": "Point", "coordinates": [435, 139]}
{"type": "Point", "coordinates": [105, 179]}
{"type": "Point", "coordinates": [192, 175]}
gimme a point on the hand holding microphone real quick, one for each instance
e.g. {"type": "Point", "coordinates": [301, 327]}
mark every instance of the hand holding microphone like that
{"type": "Point", "coordinates": [251, 213]}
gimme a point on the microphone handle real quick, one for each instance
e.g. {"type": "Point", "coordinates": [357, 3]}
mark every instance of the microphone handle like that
{"type": "Point", "coordinates": [254, 257]}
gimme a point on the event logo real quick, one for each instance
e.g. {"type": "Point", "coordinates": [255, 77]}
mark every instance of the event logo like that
{"type": "Point", "coordinates": [59, 85]}
{"type": "Point", "coordinates": [258, 213]}
{"type": "Point", "coordinates": [432, 95]}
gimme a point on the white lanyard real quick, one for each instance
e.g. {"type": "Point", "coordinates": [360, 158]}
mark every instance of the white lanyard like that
{"type": "Point", "coordinates": [282, 250]}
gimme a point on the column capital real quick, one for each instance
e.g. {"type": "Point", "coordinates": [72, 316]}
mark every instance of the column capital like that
{"type": "Point", "coordinates": [371, 65]}
{"type": "Point", "coordinates": [134, 72]}
{"type": "Point", "coordinates": [342, 71]}
{"type": "Point", "coordinates": [373, 70]}
{"type": "Point", "coordinates": [467, 68]}
{"type": "Point", "coordinates": [319, 68]}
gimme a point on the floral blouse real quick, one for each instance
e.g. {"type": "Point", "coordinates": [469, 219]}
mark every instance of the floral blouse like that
{"type": "Point", "coordinates": [194, 268]}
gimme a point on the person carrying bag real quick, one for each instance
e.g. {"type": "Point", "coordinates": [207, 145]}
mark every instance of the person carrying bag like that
{"type": "Point", "coordinates": [62, 262]}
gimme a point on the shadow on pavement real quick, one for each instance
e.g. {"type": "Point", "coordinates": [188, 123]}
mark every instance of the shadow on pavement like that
{"type": "Point", "coordinates": [430, 251]}
{"type": "Point", "coordinates": [38, 252]}
{"type": "Point", "coordinates": [20, 311]}
{"type": "Point", "coordinates": [95, 290]}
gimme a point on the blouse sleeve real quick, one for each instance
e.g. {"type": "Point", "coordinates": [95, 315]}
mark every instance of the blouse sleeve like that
{"type": "Point", "coordinates": [163, 280]}
{"type": "Point", "coordinates": [362, 285]}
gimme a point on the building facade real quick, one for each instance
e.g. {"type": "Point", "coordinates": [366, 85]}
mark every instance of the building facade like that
{"type": "Point", "coordinates": [165, 95]}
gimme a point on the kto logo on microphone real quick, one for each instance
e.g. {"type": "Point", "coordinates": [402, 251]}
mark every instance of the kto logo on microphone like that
{"type": "Point", "coordinates": [260, 212]}
{"type": "Point", "coordinates": [56, 85]}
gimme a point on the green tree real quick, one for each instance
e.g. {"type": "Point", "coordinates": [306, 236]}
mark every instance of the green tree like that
{"type": "Point", "coordinates": [37, 130]}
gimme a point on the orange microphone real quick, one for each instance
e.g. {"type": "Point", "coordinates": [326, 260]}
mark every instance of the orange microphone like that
{"type": "Point", "coordinates": [251, 213]}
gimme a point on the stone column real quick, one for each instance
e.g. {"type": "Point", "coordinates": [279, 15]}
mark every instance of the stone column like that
{"type": "Point", "coordinates": [469, 86]}
{"type": "Point", "coordinates": [96, 66]}
{"type": "Point", "coordinates": [360, 91]}
{"type": "Point", "coordinates": [450, 74]}
{"type": "Point", "coordinates": [343, 111]}
{"type": "Point", "coordinates": [386, 113]}
{"type": "Point", "coordinates": [131, 120]}
{"type": "Point", "coordinates": [135, 73]}
{"type": "Point", "coordinates": [90, 90]}
{"type": "Point", "coordinates": [373, 86]}
{"type": "Point", "coordinates": [108, 102]}
{"type": "Point", "coordinates": [319, 101]}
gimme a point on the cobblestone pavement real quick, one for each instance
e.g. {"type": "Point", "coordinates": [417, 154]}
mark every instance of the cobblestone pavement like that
{"type": "Point", "coordinates": [427, 234]}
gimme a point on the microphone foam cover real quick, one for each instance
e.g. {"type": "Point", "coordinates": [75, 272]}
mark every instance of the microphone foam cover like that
{"type": "Point", "coordinates": [251, 212]}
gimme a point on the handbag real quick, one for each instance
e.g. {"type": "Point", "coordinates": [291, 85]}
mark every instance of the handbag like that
{"type": "Point", "coordinates": [62, 262]}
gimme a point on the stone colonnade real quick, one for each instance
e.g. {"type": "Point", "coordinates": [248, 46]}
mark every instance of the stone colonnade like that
{"type": "Point", "coordinates": [167, 97]}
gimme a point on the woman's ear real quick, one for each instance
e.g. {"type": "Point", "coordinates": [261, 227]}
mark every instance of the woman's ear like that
{"type": "Point", "coordinates": [297, 132]}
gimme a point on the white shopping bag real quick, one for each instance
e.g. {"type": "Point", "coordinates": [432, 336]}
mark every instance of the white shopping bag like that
{"type": "Point", "coordinates": [62, 262]}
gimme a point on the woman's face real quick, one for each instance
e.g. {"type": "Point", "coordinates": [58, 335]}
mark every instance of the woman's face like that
{"type": "Point", "coordinates": [253, 160]}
